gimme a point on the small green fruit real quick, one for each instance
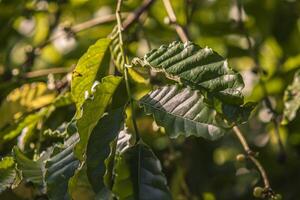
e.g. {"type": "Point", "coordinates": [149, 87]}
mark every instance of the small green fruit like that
{"type": "Point", "coordinates": [241, 157]}
{"type": "Point", "coordinates": [258, 192]}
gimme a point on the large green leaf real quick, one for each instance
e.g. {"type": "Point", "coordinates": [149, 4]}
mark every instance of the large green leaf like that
{"type": "Point", "coordinates": [91, 66]}
{"type": "Point", "coordinates": [32, 170]}
{"type": "Point", "coordinates": [60, 168]}
{"type": "Point", "coordinates": [139, 176]}
{"type": "Point", "coordinates": [93, 109]}
{"type": "Point", "coordinates": [98, 148]}
{"type": "Point", "coordinates": [7, 173]}
{"type": "Point", "coordinates": [292, 99]}
{"type": "Point", "coordinates": [183, 112]}
{"type": "Point", "coordinates": [200, 68]}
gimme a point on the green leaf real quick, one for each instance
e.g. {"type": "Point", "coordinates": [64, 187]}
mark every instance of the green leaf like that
{"type": "Point", "coordinates": [139, 176]}
{"type": "Point", "coordinates": [29, 121]}
{"type": "Point", "coordinates": [32, 170]}
{"type": "Point", "coordinates": [7, 173]}
{"type": "Point", "coordinates": [200, 68]}
{"type": "Point", "coordinates": [292, 99]}
{"type": "Point", "coordinates": [183, 112]}
{"type": "Point", "coordinates": [60, 168]}
{"type": "Point", "coordinates": [118, 146]}
{"type": "Point", "coordinates": [98, 148]}
{"type": "Point", "coordinates": [91, 67]}
{"type": "Point", "coordinates": [115, 50]}
{"type": "Point", "coordinates": [93, 109]}
{"type": "Point", "coordinates": [27, 98]}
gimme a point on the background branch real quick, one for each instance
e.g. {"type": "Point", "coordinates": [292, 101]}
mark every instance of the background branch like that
{"type": "Point", "coordinates": [171, 14]}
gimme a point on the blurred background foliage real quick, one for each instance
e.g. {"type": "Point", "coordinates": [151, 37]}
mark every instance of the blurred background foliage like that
{"type": "Point", "coordinates": [34, 70]}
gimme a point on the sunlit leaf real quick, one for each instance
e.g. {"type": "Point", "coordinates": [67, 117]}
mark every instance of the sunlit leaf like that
{"type": "Point", "coordinates": [93, 109]}
{"type": "Point", "coordinates": [25, 99]}
{"type": "Point", "coordinates": [199, 68]}
{"type": "Point", "coordinates": [139, 176]}
{"type": "Point", "coordinates": [91, 67]}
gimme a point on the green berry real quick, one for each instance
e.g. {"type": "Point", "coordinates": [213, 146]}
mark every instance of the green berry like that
{"type": "Point", "coordinates": [240, 157]}
{"type": "Point", "coordinates": [258, 192]}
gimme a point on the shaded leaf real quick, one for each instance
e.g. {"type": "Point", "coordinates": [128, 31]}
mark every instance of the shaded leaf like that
{"type": "Point", "coordinates": [118, 146]}
{"type": "Point", "coordinates": [98, 148]}
{"type": "Point", "coordinates": [93, 109]}
{"type": "Point", "coordinates": [60, 168]}
{"type": "Point", "coordinates": [91, 66]}
{"type": "Point", "coordinates": [291, 99]}
{"type": "Point", "coordinates": [7, 173]}
{"type": "Point", "coordinates": [183, 112]}
{"type": "Point", "coordinates": [139, 176]}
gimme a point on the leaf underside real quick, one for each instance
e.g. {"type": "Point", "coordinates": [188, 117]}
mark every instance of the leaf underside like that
{"type": "Point", "coordinates": [60, 168]}
{"type": "Point", "coordinates": [183, 112]}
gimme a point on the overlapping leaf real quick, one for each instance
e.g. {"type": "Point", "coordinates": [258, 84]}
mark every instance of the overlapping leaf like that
{"type": "Point", "coordinates": [139, 176]}
{"type": "Point", "coordinates": [93, 109]}
{"type": "Point", "coordinates": [183, 112]}
{"type": "Point", "coordinates": [91, 66]}
{"type": "Point", "coordinates": [60, 168]}
{"type": "Point", "coordinates": [98, 148]}
{"type": "Point", "coordinates": [292, 99]}
{"type": "Point", "coordinates": [204, 70]}
{"type": "Point", "coordinates": [32, 171]}
{"type": "Point", "coordinates": [200, 68]}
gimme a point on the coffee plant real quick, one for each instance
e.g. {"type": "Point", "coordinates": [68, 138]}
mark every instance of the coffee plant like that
{"type": "Point", "coordinates": [140, 115]}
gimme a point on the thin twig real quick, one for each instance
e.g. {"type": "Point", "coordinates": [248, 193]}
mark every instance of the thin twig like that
{"type": "Point", "coordinates": [45, 72]}
{"type": "Point", "coordinates": [251, 155]}
{"type": "Point", "coordinates": [137, 13]}
{"type": "Point", "coordinates": [259, 69]}
{"type": "Point", "coordinates": [81, 27]}
{"type": "Point", "coordinates": [171, 14]}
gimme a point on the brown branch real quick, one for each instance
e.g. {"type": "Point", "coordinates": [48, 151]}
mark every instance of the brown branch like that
{"type": "Point", "coordinates": [251, 155]}
{"type": "Point", "coordinates": [172, 17]}
{"type": "Point", "coordinates": [45, 72]}
{"type": "Point", "coordinates": [133, 17]}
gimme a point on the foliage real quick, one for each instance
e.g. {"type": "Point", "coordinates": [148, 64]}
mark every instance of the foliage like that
{"type": "Point", "coordinates": [100, 99]}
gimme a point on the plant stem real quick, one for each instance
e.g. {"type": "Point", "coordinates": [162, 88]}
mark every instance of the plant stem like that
{"type": "Point", "coordinates": [125, 69]}
{"type": "Point", "coordinates": [251, 155]}
{"type": "Point", "coordinates": [179, 29]}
